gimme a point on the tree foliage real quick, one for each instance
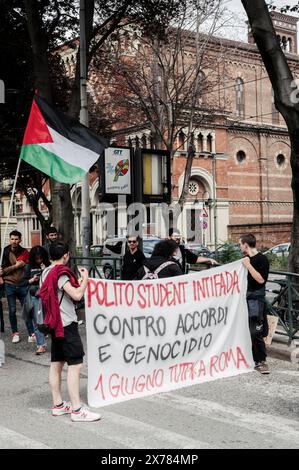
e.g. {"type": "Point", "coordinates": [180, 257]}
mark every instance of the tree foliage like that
{"type": "Point", "coordinates": [31, 33]}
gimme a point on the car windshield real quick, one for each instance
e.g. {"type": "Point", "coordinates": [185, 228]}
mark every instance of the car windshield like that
{"type": "Point", "coordinates": [148, 245]}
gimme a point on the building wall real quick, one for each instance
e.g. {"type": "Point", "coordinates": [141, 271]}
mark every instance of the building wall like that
{"type": "Point", "coordinates": [249, 185]}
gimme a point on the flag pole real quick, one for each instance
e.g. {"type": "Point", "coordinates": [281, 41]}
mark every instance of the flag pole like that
{"type": "Point", "coordinates": [85, 208]}
{"type": "Point", "coordinates": [9, 210]}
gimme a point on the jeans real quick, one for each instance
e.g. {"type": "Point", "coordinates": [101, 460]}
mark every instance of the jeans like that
{"type": "Point", "coordinates": [1, 318]}
{"type": "Point", "coordinates": [14, 292]}
{"type": "Point", "coordinates": [40, 337]}
{"type": "Point", "coordinates": [256, 327]}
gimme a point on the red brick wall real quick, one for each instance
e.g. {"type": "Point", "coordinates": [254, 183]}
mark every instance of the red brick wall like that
{"type": "Point", "coordinates": [267, 235]}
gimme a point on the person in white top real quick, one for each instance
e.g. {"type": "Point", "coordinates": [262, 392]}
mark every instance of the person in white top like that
{"type": "Point", "coordinates": [68, 349]}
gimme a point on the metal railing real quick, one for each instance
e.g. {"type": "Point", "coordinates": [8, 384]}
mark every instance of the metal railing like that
{"type": "Point", "coordinates": [283, 302]}
{"type": "Point", "coordinates": [104, 267]}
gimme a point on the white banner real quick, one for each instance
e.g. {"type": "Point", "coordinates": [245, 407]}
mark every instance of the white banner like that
{"type": "Point", "coordinates": [146, 337]}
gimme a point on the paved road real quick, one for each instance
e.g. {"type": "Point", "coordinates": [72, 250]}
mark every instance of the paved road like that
{"type": "Point", "coordinates": [248, 411]}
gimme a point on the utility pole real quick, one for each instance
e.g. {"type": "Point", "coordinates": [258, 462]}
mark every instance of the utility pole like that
{"type": "Point", "coordinates": [213, 155]}
{"type": "Point", "coordinates": [85, 208]}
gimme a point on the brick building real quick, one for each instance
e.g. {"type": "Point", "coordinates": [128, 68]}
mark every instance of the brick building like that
{"type": "Point", "coordinates": [252, 163]}
{"type": "Point", "coordinates": [243, 181]}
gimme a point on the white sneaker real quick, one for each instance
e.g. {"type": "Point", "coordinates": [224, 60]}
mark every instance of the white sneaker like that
{"type": "Point", "coordinates": [32, 338]}
{"type": "Point", "coordinates": [85, 415]}
{"type": "Point", "coordinates": [15, 338]}
{"type": "Point", "coordinates": [64, 409]}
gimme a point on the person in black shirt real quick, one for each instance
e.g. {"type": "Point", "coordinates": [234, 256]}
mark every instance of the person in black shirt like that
{"type": "Point", "coordinates": [162, 257]}
{"type": "Point", "coordinates": [184, 255]}
{"type": "Point", "coordinates": [258, 271]}
{"type": "Point", "coordinates": [132, 260]}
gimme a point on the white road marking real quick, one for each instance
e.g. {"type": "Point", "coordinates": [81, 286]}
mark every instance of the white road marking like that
{"type": "Point", "coordinates": [135, 434]}
{"type": "Point", "coordinates": [16, 440]}
{"type": "Point", "coordinates": [291, 373]}
{"type": "Point", "coordinates": [282, 428]}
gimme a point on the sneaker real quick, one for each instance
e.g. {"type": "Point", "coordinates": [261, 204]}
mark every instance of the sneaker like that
{"type": "Point", "coordinates": [32, 338]}
{"type": "Point", "coordinates": [15, 338]}
{"type": "Point", "coordinates": [264, 368]}
{"type": "Point", "coordinates": [63, 409]}
{"type": "Point", "coordinates": [85, 415]}
{"type": "Point", "coordinates": [40, 350]}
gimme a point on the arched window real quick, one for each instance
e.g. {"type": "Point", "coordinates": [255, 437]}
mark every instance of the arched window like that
{"type": "Point", "coordinates": [182, 141]}
{"type": "Point", "coordinates": [143, 141]}
{"type": "Point", "coordinates": [200, 142]}
{"type": "Point", "coordinates": [240, 98]}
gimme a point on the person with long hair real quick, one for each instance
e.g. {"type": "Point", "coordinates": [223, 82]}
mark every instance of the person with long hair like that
{"type": "Point", "coordinates": [38, 261]}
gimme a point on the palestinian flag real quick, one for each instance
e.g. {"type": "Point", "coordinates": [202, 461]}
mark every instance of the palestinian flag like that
{"type": "Point", "coordinates": [58, 145]}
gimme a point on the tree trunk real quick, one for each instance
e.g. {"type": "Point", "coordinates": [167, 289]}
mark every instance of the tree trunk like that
{"type": "Point", "coordinates": [286, 100]}
{"type": "Point", "coordinates": [39, 42]}
{"type": "Point", "coordinates": [63, 217]}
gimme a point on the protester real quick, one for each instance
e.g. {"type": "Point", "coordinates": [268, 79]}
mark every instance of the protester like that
{"type": "Point", "coordinates": [60, 288]}
{"type": "Point", "coordinates": [184, 255]}
{"type": "Point", "coordinates": [51, 236]}
{"type": "Point", "coordinates": [132, 260]}
{"type": "Point", "coordinates": [258, 271]}
{"type": "Point", "coordinates": [38, 261]}
{"type": "Point", "coordinates": [15, 257]}
{"type": "Point", "coordinates": [162, 261]}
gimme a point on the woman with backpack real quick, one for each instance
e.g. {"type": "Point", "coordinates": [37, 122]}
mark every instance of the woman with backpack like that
{"type": "Point", "coordinates": [38, 261]}
{"type": "Point", "coordinates": [161, 264]}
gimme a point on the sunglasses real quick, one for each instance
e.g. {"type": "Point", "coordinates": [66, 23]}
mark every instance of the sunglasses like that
{"type": "Point", "coordinates": [132, 241]}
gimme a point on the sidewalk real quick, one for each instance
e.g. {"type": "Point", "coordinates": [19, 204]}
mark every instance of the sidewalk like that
{"type": "Point", "coordinates": [282, 349]}
{"type": "Point", "coordinates": [25, 351]}
{"type": "Point", "coordinates": [279, 349]}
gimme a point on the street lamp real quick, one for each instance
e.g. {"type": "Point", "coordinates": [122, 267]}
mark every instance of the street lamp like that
{"type": "Point", "coordinates": [214, 155]}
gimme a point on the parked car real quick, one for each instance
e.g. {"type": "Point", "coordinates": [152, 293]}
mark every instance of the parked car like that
{"type": "Point", "coordinates": [96, 250]}
{"type": "Point", "coordinates": [198, 249]}
{"type": "Point", "coordinates": [282, 249]}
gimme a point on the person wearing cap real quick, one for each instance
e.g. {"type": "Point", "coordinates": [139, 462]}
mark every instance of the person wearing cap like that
{"type": "Point", "coordinates": [184, 255]}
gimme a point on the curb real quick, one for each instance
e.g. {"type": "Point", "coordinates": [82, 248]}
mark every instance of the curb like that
{"type": "Point", "coordinates": [284, 352]}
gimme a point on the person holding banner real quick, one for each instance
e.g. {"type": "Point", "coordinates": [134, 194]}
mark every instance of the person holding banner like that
{"type": "Point", "coordinates": [60, 288]}
{"type": "Point", "coordinates": [15, 257]}
{"type": "Point", "coordinates": [161, 264]}
{"type": "Point", "coordinates": [184, 256]}
{"type": "Point", "coordinates": [258, 271]}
